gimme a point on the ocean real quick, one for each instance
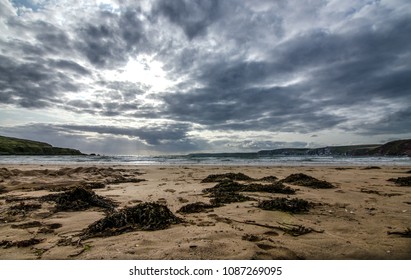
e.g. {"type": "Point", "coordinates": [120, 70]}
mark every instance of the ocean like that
{"type": "Point", "coordinates": [210, 160]}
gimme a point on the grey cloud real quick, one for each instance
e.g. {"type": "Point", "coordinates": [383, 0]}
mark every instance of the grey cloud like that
{"type": "Point", "coordinates": [52, 39]}
{"type": "Point", "coordinates": [32, 84]}
{"type": "Point", "coordinates": [127, 91]}
{"type": "Point", "coordinates": [164, 138]}
{"type": "Point", "coordinates": [37, 83]}
{"type": "Point", "coordinates": [72, 66]}
{"type": "Point", "coordinates": [111, 38]}
{"type": "Point", "coordinates": [398, 122]}
{"type": "Point", "coordinates": [153, 135]}
{"type": "Point", "coordinates": [338, 69]}
{"type": "Point", "coordinates": [192, 16]}
{"type": "Point", "coordinates": [274, 109]}
{"type": "Point", "coordinates": [59, 137]}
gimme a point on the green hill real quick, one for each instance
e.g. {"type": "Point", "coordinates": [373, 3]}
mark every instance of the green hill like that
{"type": "Point", "coordinates": [15, 146]}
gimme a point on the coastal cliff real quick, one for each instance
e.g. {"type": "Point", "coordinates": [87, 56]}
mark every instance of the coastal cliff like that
{"type": "Point", "coordinates": [16, 146]}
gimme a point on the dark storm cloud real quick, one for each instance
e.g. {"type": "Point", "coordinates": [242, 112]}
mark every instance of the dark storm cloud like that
{"type": "Point", "coordinates": [192, 16]}
{"type": "Point", "coordinates": [110, 38]}
{"type": "Point", "coordinates": [273, 109]}
{"type": "Point", "coordinates": [337, 70]}
{"type": "Point", "coordinates": [365, 65]}
{"type": "Point", "coordinates": [396, 123]}
{"type": "Point", "coordinates": [32, 84]}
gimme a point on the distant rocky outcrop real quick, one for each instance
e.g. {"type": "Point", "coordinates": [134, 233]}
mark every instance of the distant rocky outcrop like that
{"type": "Point", "coordinates": [394, 148]}
{"type": "Point", "coordinates": [16, 146]}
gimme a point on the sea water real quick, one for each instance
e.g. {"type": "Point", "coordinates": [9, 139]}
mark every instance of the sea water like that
{"type": "Point", "coordinates": [210, 160]}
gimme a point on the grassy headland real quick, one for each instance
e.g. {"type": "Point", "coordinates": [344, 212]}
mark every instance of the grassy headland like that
{"type": "Point", "coordinates": [16, 146]}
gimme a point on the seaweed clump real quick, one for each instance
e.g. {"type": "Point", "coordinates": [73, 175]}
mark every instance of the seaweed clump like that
{"type": "Point", "coordinates": [304, 180]}
{"type": "Point", "coordinates": [230, 186]}
{"type": "Point", "coordinates": [195, 207]}
{"type": "Point", "coordinates": [5, 244]}
{"type": "Point", "coordinates": [229, 191]}
{"type": "Point", "coordinates": [144, 216]}
{"type": "Point", "coordinates": [226, 192]}
{"type": "Point", "coordinates": [213, 178]}
{"type": "Point", "coordinates": [402, 181]}
{"type": "Point", "coordinates": [294, 205]}
{"type": "Point", "coordinates": [78, 199]}
{"type": "Point", "coordinates": [220, 198]}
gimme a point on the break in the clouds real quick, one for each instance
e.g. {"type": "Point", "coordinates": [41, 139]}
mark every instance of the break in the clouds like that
{"type": "Point", "coordinates": [132, 77]}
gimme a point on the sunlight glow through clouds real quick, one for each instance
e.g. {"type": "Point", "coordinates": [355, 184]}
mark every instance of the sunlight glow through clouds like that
{"type": "Point", "coordinates": [144, 70]}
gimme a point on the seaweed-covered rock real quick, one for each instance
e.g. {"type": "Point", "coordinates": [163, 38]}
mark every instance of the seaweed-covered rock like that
{"type": "Point", "coordinates": [213, 178]}
{"type": "Point", "coordinates": [78, 199]}
{"type": "Point", "coordinates": [301, 179]}
{"type": "Point", "coordinates": [402, 181]}
{"type": "Point", "coordinates": [144, 216]}
{"type": "Point", "coordinates": [196, 207]}
{"type": "Point", "coordinates": [294, 205]}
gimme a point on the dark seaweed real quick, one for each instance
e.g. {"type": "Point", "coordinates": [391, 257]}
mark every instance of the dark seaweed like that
{"type": "Point", "coordinates": [195, 207]}
{"type": "Point", "coordinates": [144, 216]}
{"type": "Point", "coordinates": [78, 199]}
{"type": "Point", "coordinates": [301, 179]}
{"type": "Point", "coordinates": [26, 207]}
{"type": "Point", "coordinates": [401, 181]}
{"type": "Point", "coordinates": [20, 244]}
{"type": "Point", "coordinates": [230, 186]}
{"type": "Point", "coordinates": [213, 178]}
{"type": "Point", "coordinates": [221, 198]}
{"type": "Point", "coordinates": [294, 205]}
{"type": "Point", "coordinates": [28, 225]}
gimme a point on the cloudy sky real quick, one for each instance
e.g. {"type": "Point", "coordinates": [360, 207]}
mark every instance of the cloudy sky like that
{"type": "Point", "coordinates": [181, 76]}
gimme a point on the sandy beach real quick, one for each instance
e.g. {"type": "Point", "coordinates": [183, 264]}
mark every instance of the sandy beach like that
{"type": "Point", "coordinates": [361, 216]}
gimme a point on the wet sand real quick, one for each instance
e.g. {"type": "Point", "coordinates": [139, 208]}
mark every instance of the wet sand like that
{"type": "Point", "coordinates": [363, 217]}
